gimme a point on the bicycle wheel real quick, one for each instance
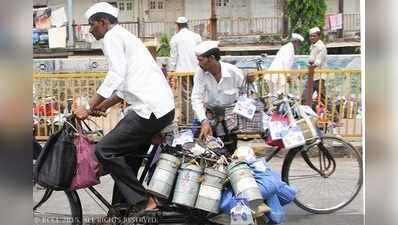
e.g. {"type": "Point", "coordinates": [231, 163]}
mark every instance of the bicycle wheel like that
{"type": "Point", "coordinates": [328, 175]}
{"type": "Point", "coordinates": [58, 207]}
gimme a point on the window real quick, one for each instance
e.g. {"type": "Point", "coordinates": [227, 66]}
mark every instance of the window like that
{"type": "Point", "coordinates": [221, 3]}
{"type": "Point", "coordinates": [156, 4]}
{"type": "Point", "coordinates": [129, 6]}
{"type": "Point", "coordinates": [121, 6]}
{"type": "Point", "coordinates": [160, 4]}
{"type": "Point", "coordinates": [152, 4]}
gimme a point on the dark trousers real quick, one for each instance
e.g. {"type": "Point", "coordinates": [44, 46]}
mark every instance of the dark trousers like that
{"type": "Point", "coordinates": [117, 151]}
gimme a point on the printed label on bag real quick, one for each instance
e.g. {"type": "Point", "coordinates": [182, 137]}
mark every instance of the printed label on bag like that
{"type": "Point", "coordinates": [293, 138]}
{"type": "Point", "coordinates": [241, 214]}
{"type": "Point", "coordinates": [245, 107]}
{"type": "Point", "coordinates": [278, 129]}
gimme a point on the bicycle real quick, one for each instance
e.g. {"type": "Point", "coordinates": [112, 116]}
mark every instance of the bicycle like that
{"type": "Point", "coordinates": [318, 163]}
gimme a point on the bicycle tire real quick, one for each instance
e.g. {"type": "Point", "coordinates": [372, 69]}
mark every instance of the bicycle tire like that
{"type": "Point", "coordinates": [298, 153]}
{"type": "Point", "coordinates": [76, 214]}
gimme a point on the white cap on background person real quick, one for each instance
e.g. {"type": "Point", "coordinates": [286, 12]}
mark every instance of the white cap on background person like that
{"type": "Point", "coordinates": [296, 36]}
{"type": "Point", "coordinates": [182, 19]}
{"type": "Point", "coordinates": [314, 30]}
{"type": "Point", "coordinates": [205, 46]}
{"type": "Point", "coordinates": [102, 7]}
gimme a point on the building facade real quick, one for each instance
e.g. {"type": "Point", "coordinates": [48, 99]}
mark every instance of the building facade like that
{"type": "Point", "coordinates": [151, 18]}
{"type": "Point", "coordinates": [169, 10]}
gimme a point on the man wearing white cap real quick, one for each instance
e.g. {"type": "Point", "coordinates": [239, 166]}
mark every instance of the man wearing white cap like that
{"type": "Point", "coordinates": [284, 60]}
{"type": "Point", "coordinates": [133, 76]}
{"type": "Point", "coordinates": [182, 56]}
{"type": "Point", "coordinates": [318, 49]}
{"type": "Point", "coordinates": [317, 59]}
{"type": "Point", "coordinates": [216, 85]}
{"type": "Point", "coordinates": [182, 47]}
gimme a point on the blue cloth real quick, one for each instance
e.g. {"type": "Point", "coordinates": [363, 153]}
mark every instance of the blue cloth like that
{"type": "Point", "coordinates": [286, 194]}
{"type": "Point", "coordinates": [267, 182]}
{"type": "Point", "coordinates": [228, 200]}
{"type": "Point", "coordinates": [274, 191]}
{"type": "Point", "coordinates": [277, 214]}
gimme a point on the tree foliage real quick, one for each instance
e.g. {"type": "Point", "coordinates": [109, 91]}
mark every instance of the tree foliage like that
{"type": "Point", "coordinates": [164, 48]}
{"type": "Point", "coordinates": [303, 15]}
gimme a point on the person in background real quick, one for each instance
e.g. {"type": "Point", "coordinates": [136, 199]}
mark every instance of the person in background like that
{"type": "Point", "coordinates": [317, 60]}
{"type": "Point", "coordinates": [216, 86]}
{"type": "Point", "coordinates": [284, 60]}
{"type": "Point", "coordinates": [133, 76]}
{"type": "Point", "coordinates": [183, 59]}
{"type": "Point", "coordinates": [182, 47]}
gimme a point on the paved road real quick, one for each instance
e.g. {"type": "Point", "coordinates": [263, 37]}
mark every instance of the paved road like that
{"type": "Point", "coordinates": [351, 214]}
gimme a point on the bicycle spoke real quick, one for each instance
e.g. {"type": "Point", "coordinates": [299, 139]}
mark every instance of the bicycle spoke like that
{"type": "Point", "coordinates": [341, 166]}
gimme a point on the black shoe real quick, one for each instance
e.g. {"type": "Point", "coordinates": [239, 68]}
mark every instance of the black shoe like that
{"type": "Point", "coordinates": [119, 209]}
{"type": "Point", "coordinates": [137, 209]}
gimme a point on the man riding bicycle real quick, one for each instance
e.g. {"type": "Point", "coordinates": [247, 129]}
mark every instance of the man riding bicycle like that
{"type": "Point", "coordinates": [133, 76]}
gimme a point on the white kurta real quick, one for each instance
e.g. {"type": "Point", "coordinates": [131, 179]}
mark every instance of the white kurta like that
{"type": "Point", "coordinates": [134, 75]}
{"type": "Point", "coordinates": [182, 50]}
{"type": "Point", "coordinates": [318, 54]}
{"type": "Point", "coordinates": [283, 60]}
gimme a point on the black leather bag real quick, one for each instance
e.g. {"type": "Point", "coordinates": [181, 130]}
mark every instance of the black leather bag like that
{"type": "Point", "coordinates": [56, 164]}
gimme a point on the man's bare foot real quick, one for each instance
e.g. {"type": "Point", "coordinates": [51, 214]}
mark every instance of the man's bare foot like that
{"type": "Point", "coordinates": [151, 204]}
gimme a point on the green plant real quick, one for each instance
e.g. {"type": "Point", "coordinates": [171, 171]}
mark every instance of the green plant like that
{"type": "Point", "coordinates": [164, 48]}
{"type": "Point", "coordinates": [303, 15]}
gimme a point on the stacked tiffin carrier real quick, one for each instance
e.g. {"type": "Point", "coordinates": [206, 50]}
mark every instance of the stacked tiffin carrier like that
{"type": "Point", "coordinates": [197, 175]}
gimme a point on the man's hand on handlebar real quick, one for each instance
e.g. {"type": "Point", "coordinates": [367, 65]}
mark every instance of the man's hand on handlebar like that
{"type": "Point", "coordinates": [82, 113]}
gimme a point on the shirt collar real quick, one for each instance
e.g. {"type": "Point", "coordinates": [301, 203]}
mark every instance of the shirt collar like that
{"type": "Point", "coordinates": [318, 42]}
{"type": "Point", "coordinates": [224, 72]}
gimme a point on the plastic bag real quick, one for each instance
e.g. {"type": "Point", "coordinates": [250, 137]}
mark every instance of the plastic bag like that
{"type": "Point", "coordinates": [241, 214]}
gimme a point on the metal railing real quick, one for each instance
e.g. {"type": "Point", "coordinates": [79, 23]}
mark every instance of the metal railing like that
{"type": "Point", "coordinates": [351, 22]}
{"type": "Point", "coordinates": [249, 26]}
{"type": "Point", "coordinates": [225, 26]}
{"type": "Point", "coordinates": [339, 107]}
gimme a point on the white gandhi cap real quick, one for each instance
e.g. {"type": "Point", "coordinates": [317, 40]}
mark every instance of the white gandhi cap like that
{"type": "Point", "coordinates": [296, 36]}
{"type": "Point", "coordinates": [102, 7]}
{"type": "Point", "coordinates": [314, 30]}
{"type": "Point", "coordinates": [182, 19]}
{"type": "Point", "coordinates": [205, 46]}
